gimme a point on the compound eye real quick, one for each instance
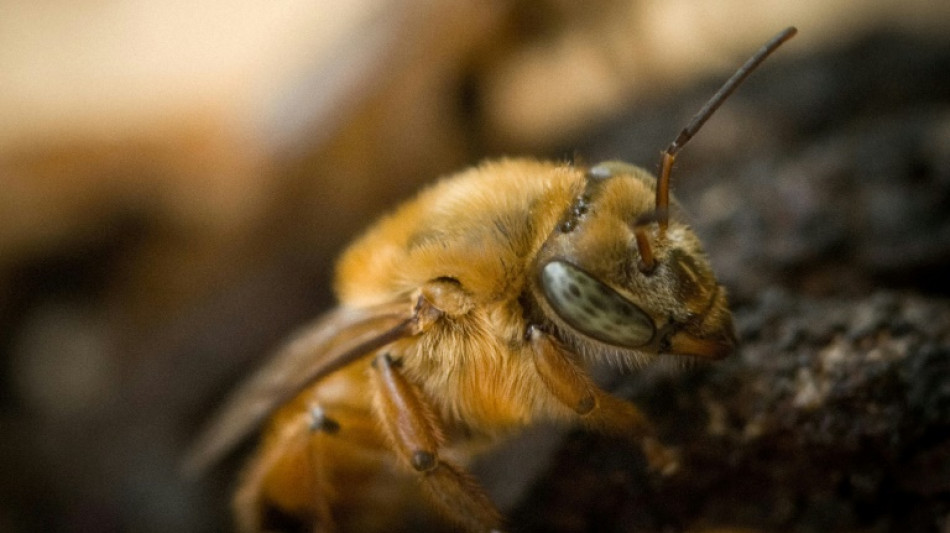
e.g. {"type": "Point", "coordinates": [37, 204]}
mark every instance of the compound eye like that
{"type": "Point", "coordinates": [593, 308]}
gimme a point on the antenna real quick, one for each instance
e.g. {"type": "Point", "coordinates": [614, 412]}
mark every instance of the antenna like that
{"type": "Point", "coordinates": [700, 118]}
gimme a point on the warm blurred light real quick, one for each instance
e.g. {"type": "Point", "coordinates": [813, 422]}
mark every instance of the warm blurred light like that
{"type": "Point", "coordinates": [105, 69]}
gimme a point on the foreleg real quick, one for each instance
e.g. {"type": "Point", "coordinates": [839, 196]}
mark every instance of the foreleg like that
{"type": "Point", "coordinates": [415, 434]}
{"type": "Point", "coordinates": [598, 410]}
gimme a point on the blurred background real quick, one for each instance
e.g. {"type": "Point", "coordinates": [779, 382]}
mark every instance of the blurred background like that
{"type": "Point", "coordinates": [176, 180]}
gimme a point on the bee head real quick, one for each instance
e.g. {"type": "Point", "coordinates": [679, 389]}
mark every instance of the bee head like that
{"type": "Point", "coordinates": [620, 271]}
{"type": "Point", "coordinates": [612, 275]}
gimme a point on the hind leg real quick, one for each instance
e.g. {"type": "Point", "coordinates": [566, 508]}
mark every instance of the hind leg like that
{"type": "Point", "coordinates": [286, 478]}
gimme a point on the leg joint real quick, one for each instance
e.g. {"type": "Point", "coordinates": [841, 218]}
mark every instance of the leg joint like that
{"type": "Point", "coordinates": [423, 461]}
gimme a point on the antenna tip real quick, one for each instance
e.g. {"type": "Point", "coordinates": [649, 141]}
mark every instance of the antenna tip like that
{"type": "Point", "coordinates": [786, 34]}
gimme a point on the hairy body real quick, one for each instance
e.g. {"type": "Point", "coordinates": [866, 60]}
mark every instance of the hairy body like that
{"type": "Point", "coordinates": [472, 311]}
{"type": "Point", "coordinates": [392, 430]}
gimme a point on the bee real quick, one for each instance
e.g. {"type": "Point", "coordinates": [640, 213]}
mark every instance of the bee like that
{"type": "Point", "coordinates": [468, 313]}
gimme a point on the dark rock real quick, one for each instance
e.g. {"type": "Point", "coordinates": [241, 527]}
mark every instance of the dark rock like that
{"type": "Point", "coordinates": [842, 425]}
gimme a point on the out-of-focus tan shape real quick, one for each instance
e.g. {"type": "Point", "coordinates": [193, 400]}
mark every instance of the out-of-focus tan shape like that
{"type": "Point", "coordinates": [216, 119]}
{"type": "Point", "coordinates": [171, 107]}
{"type": "Point", "coordinates": [609, 53]}
{"type": "Point", "coordinates": [108, 69]}
{"type": "Point", "coordinates": [189, 117]}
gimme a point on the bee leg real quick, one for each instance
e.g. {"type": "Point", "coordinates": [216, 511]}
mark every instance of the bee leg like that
{"type": "Point", "coordinates": [445, 295]}
{"type": "Point", "coordinates": [413, 430]}
{"type": "Point", "coordinates": [598, 410]}
{"type": "Point", "coordinates": [247, 504]}
{"type": "Point", "coordinates": [299, 442]}
{"type": "Point", "coordinates": [320, 427]}
{"type": "Point", "coordinates": [320, 422]}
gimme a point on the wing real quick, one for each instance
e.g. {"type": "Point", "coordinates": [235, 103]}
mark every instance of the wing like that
{"type": "Point", "coordinates": [331, 342]}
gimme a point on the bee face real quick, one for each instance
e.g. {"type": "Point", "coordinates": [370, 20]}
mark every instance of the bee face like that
{"type": "Point", "coordinates": [595, 283]}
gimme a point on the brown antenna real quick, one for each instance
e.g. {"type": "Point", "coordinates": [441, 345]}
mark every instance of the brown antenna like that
{"type": "Point", "coordinates": [647, 259]}
{"type": "Point", "coordinates": [700, 118]}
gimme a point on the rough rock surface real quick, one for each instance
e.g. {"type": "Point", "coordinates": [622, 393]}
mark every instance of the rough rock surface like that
{"type": "Point", "coordinates": [835, 416]}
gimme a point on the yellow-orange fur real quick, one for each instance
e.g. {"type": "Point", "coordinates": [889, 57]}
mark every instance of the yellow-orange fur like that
{"type": "Point", "coordinates": [471, 244]}
{"type": "Point", "coordinates": [473, 369]}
